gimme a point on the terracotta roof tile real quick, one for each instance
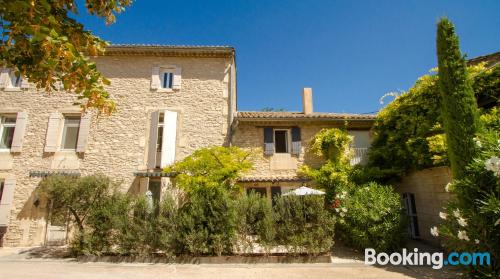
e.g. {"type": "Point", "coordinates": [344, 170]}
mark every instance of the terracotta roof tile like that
{"type": "Point", "coordinates": [273, 178]}
{"type": "Point", "coordinates": [299, 115]}
{"type": "Point", "coordinates": [170, 50]}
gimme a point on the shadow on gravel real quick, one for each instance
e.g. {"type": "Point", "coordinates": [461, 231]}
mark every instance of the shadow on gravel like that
{"type": "Point", "coordinates": [55, 252]}
{"type": "Point", "coordinates": [341, 252]}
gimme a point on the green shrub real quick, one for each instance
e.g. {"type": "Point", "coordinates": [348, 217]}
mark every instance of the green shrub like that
{"type": "Point", "coordinates": [255, 223]}
{"type": "Point", "coordinates": [303, 224]}
{"type": "Point", "coordinates": [79, 196]}
{"type": "Point", "coordinates": [166, 227]}
{"type": "Point", "coordinates": [370, 216]}
{"type": "Point", "coordinates": [471, 221]}
{"type": "Point", "coordinates": [206, 222]}
{"type": "Point", "coordinates": [136, 228]}
{"type": "Point", "coordinates": [104, 223]}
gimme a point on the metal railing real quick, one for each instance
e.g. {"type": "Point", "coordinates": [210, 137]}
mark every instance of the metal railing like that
{"type": "Point", "coordinates": [359, 156]}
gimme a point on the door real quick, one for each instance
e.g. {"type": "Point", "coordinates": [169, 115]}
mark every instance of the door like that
{"type": "Point", "coordinates": [411, 212]}
{"type": "Point", "coordinates": [155, 188]}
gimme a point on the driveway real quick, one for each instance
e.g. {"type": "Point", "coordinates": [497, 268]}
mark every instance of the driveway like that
{"type": "Point", "coordinates": [16, 264]}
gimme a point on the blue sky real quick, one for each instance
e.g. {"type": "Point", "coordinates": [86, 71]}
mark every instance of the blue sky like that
{"type": "Point", "coordinates": [350, 52]}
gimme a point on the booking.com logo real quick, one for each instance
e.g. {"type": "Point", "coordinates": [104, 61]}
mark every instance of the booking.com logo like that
{"type": "Point", "coordinates": [437, 259]}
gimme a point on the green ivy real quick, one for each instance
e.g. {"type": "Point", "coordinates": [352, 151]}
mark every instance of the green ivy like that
{"type": "Point", "coordinates": [333, 145]}
{"type": "Point", "coordinates": [408, 132]}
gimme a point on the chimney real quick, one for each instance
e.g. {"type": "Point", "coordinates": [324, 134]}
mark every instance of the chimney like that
{"type": "Point", "coordinates": [307, 100]}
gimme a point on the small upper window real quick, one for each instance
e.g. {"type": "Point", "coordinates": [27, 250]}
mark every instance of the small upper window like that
{"type": "Point", "coordinates": [15, 80]}
{"type": "Point", "coordinates": [281, 141]}
{"type": "Point", "coordinates": [166, 79]}
{"type": "Point", "coordinates": [7, 126]}
{"type": "Point", "coordinates": [70, 132]}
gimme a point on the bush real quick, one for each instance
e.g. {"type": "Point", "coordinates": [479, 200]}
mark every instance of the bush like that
{"type": "Point", "coordinates": [472, 219]}
{"type": "Point", "coordinates": [303, 224]}
{"type": "Point", "coordinates": [79, 196]}
{"type": "Point", "coordinates": [255, 223]}
{"type": "Point", "coordinates": [104, 224]}
{"type": "Point", "coordinates": [166, 227]}
{"type": "Point", "coordinates": [206, 223]}
{"type": "Point", "coordinates": [370, 216]}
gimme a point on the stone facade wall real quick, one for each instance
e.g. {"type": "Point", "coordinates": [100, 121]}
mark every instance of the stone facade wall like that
{"type": "Point", "coordinates": [117, 144]}
{"type": "Point", "coordinates": [428, 186]}
{"type": "Point", "coordinates": [250, 136]}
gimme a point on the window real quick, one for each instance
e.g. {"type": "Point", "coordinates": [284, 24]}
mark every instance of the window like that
{"type": "Point", "coordinates": [281, 141]}
{"type": "Point", "coordinates": [70, 132]}
{"type": "Point", "coordinates": [2, 182]}
{"type": "Point", "coordinates": [155, 188]}
{"type": "Point", "coordinates": [262, 191]}
{"type": "Point", "coordinates": [15, 81]}
{"type": "Point", "coordinates": [159, 141]}
{"type": "Point", "coordinates": [7, 127]}
{"type": "Point", "coordinates": [166, 79]}
{"type": "Point", "coordinates": [161, 124]}
{"type": "Point", "coordinates": [275, 192]}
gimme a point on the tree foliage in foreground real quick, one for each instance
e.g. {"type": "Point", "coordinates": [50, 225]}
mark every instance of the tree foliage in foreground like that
{"type": "Point", "coordinates": [47, 45]}
{"type": "Point", "coordinates": [472, 217]}
{"type": "Point", "coordinates": [408, 132]}
{"type": "Point", "coordinates": [458, 104]}
{"type": "Point", "coordinates": [215, 166]}
{"type": "Point", "coordinates": [78, 196]}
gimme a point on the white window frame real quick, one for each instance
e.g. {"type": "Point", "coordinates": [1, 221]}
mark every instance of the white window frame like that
{"type": "Point", "coordinates": [63, 133]}
{"type": "Point", "coordinates": [10, 85]}
{"type": "Point", "coordinates": [2, 126]}
{"type": "Point", "coordinates": [288, 140]}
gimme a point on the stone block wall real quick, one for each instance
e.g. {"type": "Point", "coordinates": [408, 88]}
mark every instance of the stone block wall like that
{"type": "Point", "coordinates": [117, 144]}
{"type": "Point", "coordinates": [250, 137]}
{"type": "Point", "coordinates": [428, 186]}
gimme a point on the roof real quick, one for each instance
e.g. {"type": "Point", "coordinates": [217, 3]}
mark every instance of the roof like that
{"type": "Point", "coordinates": [169, 50]}
{"type": "Point", "coordinates": [154, 174]}
{"type": "Point", "coordinates": [490, 59]}
{"type": "Point", "coordinates": [273, 178]}
{"type": "Point", "coordinates": [286, 115]}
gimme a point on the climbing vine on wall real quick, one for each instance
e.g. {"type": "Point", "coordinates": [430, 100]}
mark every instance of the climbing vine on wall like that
{"type": "Point", "coordinates": [408, 133]}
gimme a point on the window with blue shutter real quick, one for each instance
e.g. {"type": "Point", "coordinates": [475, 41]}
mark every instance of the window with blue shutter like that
{"type": "Point", "coordinates": [268, 141]}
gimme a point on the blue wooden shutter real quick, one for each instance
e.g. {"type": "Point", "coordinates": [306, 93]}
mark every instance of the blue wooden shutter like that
{"type": "Point", "coordinates": [268, 141]}
{"type": "Point", "coordinates": [296, 141]}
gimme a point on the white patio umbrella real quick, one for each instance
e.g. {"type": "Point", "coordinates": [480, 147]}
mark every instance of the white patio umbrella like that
{"type": "Point", "coordinates": [303, 191]}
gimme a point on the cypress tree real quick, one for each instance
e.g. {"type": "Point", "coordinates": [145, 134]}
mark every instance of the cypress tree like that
{"type": "Point", "coordinates": [458, 104]}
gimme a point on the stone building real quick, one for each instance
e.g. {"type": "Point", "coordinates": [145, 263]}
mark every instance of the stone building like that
{"type": "Point", "coordinates": [171, 101]}
{"type": "Point", "coordinates": [281, 141]}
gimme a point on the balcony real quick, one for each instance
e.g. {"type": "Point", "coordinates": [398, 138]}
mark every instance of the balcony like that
{"type": "Point", "coordinates": [359, 156]}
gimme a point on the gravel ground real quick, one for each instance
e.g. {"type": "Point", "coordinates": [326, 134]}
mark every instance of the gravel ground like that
{"type": "Point", "coordinates": [23, 263]}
